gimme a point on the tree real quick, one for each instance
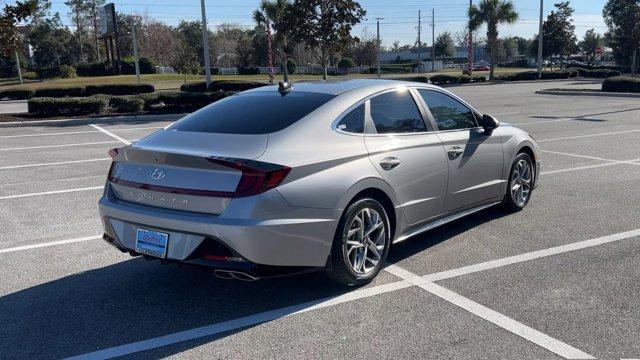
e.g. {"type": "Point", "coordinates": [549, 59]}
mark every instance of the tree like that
{"type": "Point", "coordinates": [444, 46]}
{"type": "Point", "coordinates": [492, 13]}
{"type": "Point", "coordinates": [276, 14]}
{"type": "Point", "coordinates": [591, 41]}
{"type": "Point", "coordinates": [623, 20]}
{"type": "Point", "coordinates": [92, 8]}
{"type": "Point", "coordinates": [510, 46]}
{"type": "Point", "coordinates": [78, 14]}
{"type": "Point", "coordinates": [365, 52]}
{"type": "Point", "coordinates": [51, 43]}
{"type": "Point", "coordinates": [559, 38]}
{"type": "Point", "coordinates": [326, 25]}
{"type": "Point", "coordinates": [9, 19]}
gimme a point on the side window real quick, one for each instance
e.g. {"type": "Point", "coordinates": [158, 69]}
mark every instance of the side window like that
{"type": "Point", "coordinates": [353, 122]}
{"type": "Point", "coordinates": [396, 112]}
{"type": "Point", "coordinates": [449, 113]}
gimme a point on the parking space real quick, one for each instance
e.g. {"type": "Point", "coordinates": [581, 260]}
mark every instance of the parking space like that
{"type": "Point", "coordinates": [557, 280]}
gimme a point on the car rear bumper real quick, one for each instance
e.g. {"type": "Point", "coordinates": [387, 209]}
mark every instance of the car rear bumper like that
{"type": "Point", "coordinates": [260, 230]}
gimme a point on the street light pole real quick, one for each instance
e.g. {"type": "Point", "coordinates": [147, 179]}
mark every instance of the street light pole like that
{"type": "Point", "coordinates": [378, 42]}
{"type": "Point", "coordinates": [419, 41]}
{"type": "Point", "coordinates": [135, 49]}
{"type": "Point", "coordinates": [205, 39]}
{"type": "Point", "coordinates": [540, 41]}
{"type": "Point", "coordinates": [433, 40]}
{"type": "Point", "coordinates": [18, 65]}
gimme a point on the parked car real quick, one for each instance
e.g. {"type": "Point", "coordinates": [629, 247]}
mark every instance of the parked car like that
{"type": "Point", "coordinates": [321, 176]}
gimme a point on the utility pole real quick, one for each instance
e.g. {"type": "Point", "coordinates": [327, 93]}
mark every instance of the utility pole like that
{"type": "Point", "coordinates": [135, 49]}
{"type": "Point", "coordinates": [205, 40]}
{"type": "Point", "coordinates": [18, 65]}
{"type": "Point", "coordinates": [470, 45]}
{"type": "Point", "coordinates": [378, 42]}
{"type": "Point", "coordinates": [433, 40]}
{"type": "Point", "coordinates": [540, 41]}
{"type": "Point", "coordinates": [419, 41]}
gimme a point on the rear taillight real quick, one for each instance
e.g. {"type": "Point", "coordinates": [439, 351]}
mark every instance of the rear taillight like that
{"type": "Point", "coordinates": [113, 153]}
{"type": "Point", "coordinates": [257, 177]}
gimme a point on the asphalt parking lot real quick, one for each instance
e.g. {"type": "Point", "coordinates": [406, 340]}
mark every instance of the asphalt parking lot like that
{"type": "Point", "coordinates": [559, 279]}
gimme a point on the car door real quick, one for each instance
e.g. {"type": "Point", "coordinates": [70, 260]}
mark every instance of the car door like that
{"type": "Point", "coordinates": [407, 154]}
{"type": "Point", "coordinates": [475, 157]}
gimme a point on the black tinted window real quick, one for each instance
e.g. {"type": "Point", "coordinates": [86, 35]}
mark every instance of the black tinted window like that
{"type": "Point", "coordinates": [252, 113]}
{"type": "Point", "coordinates": [396, 112]}
{"type": "Point", "coordinates": [353, 122]}
{"type": "Point", "coordinates": [449, 113]}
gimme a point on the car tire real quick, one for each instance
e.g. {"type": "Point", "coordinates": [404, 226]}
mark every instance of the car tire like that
{"type": "Point", "coordinates": [521, 183]}
{"type": "Point", "coordinates": [356, 260]}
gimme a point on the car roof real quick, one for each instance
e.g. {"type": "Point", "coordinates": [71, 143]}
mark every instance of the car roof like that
{"type": "Point", "coordinates": [336, 87]}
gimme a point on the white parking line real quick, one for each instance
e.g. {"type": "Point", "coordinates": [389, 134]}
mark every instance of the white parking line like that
{"type": "Point", "coordinates": [586, 167]}
{"type": "Point", "coordinates": [242, 322]}
{"type": "Point", "coordinates": [59, 146]}
{"type": "Point", "coordinates": [592, 157]}
{"type": "Point", "coordinates": [107, 132]}
{"type": "Point", "coordinates": [355, 295]}
{"type": "Point", "coordinates": [79, 132]}
{"type": "Point", "coordinates": [52, 163]}
{"type": "Point", "coordinates": [505, 322]}
{"type": "Point", "coordinates": [47, 244]}
{"type": "Point", "coordinates": [590, 135]}
{"type": "Point", "coordinates": [50, 192]}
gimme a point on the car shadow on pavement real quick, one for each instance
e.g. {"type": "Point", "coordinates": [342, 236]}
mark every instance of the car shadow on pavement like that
{"type": "Point", "coordinates": [135, 300]}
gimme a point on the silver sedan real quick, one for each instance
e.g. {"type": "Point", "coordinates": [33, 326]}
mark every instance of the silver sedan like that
{"type": "Point", "coordinates": [316, 176]}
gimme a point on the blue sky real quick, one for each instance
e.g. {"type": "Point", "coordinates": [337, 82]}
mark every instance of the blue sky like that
{"type": "Point", "coordinates": [400, 16]}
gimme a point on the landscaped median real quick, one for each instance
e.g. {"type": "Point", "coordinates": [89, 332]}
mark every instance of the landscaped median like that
{"type": "Point", "coordinates": [18, 93]}
{"type": "Point", "coordinates": [619, 86]}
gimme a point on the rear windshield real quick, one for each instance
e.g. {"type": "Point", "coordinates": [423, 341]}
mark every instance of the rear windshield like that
{"type": "Point", "coordinates": [252, 113]}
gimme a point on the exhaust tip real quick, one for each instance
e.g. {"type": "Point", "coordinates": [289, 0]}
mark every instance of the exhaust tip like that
{"type": "Point", "coordinates": [237, 275]}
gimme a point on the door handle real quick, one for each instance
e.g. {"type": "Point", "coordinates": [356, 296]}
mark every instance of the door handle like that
{"type": "Point", "coordinates": [390, 163]}
{"type": "Point", "coordinates": [454, 152]}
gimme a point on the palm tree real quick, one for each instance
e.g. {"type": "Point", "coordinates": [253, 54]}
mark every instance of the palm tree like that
{"type": "Point", "coordinates": [492, 13]}
{"type": "Point", "coordinates": [276, 14]}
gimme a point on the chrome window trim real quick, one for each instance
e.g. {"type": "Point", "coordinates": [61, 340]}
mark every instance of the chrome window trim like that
{"type": "Point", "coordinates": [334, 124]}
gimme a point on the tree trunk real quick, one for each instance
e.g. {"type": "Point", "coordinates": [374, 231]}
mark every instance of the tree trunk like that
{"type": "Point", "coordinates": [633, 62]}
{"type": "Point", "coordinates": [493, 59]}
{"type": "Point", "coordinates": [323, 59]}
{"type": "Point", "coordinates": [285, 70]}
{"type": "Point", "coordinates": [95, 32]}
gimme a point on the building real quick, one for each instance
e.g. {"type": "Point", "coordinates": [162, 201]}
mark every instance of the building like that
{"type": "Point", "coordinates": [425, 54]}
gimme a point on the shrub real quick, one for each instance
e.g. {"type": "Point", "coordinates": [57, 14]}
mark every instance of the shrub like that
{"type": "Point", "coordinates": [465, 79]}
{"type": "Point", "coordinates": [67, 72]}
{"type": "Point", "coordinates": [66, 106]}
{"type": "Point", "coordinates": [181, 101]}
{"type": "Point", "coordinates": [558, 74]}
{"type": "Point", "coordinates": [601, 73]}
{"type": "Point", "coordinates": [8, 71]}
{"type": "Point", "coordinates": [527, 75]}
{"type": "Point", "coordinates": [291, 66]}
{"type": "Point", "coordinates": [16, 94]}
{"type": "Point", "coordinates": [621, 84]}
{"type": "Point", "coordinates": [442, 79]}
{"type": "Point", "coordinates": [478, 78]}
{"type": "Point", "coordinates": [223, 85]}
{"type": "Point", "coordinates": [346, 63]}
{"type": "Point", "coordinates": [60, 91]}
{"type": "Point", "coordinates": [119, 89]}
{"type": "Point", "coordinates": [419, 78]}
{"type": "Point", "coordinates": [126, 103]}
{"type": "Point", "coordinates": [128, 65]}
{"type": "Point", "coordinates": [579, 70]}
{"type": "Point", "coordinates": [102, 68]}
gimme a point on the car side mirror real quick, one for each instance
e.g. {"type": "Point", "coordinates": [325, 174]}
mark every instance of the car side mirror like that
{"type": "Point", "coordinates": [489, 123]}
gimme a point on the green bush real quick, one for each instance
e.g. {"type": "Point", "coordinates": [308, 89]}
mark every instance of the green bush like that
{"type": "Point", "coordinates": [67, 72]}
{"type": "Point", "coordinates": [601, 73]}
{"type": "Point", "coordinates": [119, 89]}
{"type": "Point", "coordinates": [465, 79]}
{"type": "Point", "coordinates": [222, 85]}
{"type": "Point", "coordinates": [181, 101]}
{"type": "Point", "coordinates": [346, 63]}
{"type": "Point", "coordinates": [291, 67]}
{"type": "Point", "coordinates": [478, 78]}
{"type": "Point", "coordinates": [16, 94]}
{"type": "Point", "coordinates": [418, 78]}
{"type": "Point", "coordinates": [621, 84]}
{"type": "Point", "coordinates": [102, 68]}
{"type": "Point", "coordinates": [558, 74]}
{"type": "Point", "coordinates": [74, 91]}
{"type": "Point", "coordinates": [128, 65]}
{"type": "Point", "coordinates": [66, 106]}
{"type": "Point", "coordinates": [441, 79]}
{"type": "Point", "coordinates": [126, 103]}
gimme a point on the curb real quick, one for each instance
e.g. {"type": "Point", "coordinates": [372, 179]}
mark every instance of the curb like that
{"type": "Point", "coordinates": [587, 93]}
{"type": "Point", "coordinates": [96, 120]}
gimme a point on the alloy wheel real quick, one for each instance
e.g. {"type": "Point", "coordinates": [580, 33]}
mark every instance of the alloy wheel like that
{"type": "Point", "coordinates": [521, 179]}
{"type": "Point", "coordinates": [365, 241]}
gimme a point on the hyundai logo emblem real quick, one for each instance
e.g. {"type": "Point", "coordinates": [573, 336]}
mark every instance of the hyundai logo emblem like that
{"type": "Point", "coordinates": [158, 174]}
